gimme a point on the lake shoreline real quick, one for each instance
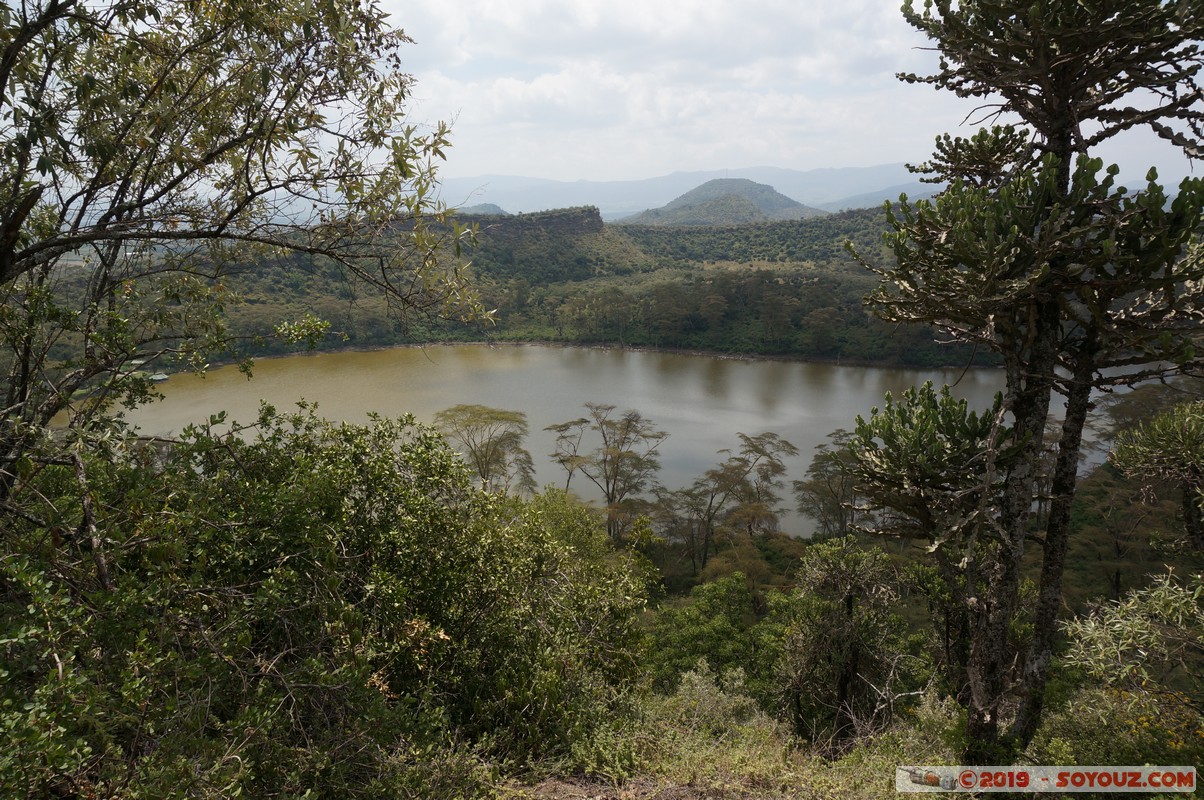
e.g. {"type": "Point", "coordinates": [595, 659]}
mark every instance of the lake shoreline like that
{"type": "Point", "coordinates": [746, 357]}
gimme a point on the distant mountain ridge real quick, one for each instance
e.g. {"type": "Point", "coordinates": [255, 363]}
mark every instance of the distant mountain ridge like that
{"type": "Point", "coordinates": [831, 189]}
{"type": "Point", "coordinates": [725, 201]}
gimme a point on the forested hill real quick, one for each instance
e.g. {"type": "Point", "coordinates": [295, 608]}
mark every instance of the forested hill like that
{"type": "Point", "coordinates": [570, 221]}
{"type": "Point", "coordinates": [575, 244]}
{"type": "Point", "coordinates": [726, 201]}
{"type": "Point", "coordinates": [816, 239]}
{"type": "Point", "coordinates": [787, 289]}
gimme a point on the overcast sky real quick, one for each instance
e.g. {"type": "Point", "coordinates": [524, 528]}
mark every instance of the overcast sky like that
{"type": "Point", "coordinates": [629, 89]}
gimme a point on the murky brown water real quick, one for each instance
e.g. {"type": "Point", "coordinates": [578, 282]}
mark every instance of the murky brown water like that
{"type": "Point", "coordinates": [702, 401]}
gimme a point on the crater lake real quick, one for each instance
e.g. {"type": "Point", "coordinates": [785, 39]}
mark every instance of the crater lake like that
{"type": "Point", "coordinates": [702, 401]}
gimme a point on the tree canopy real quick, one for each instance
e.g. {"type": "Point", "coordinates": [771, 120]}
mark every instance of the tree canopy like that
{"type": "Point", "coordinates": [151, 149]}
{"type": "Point", "coordinates": [622, 465]}
{"type": "Point", "coordinates": [1078, 73]}
{"type": "Point", "coordinates": [492, 439]}
{"type": "Point", "coordinates": [131, 122]}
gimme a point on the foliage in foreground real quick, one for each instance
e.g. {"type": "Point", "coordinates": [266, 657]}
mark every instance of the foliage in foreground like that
{"type": "Point", "coordinates": [828, 658]}
{"type": "Point", "coordinates": [709, 733]}
{"type": "Point", "coordinates": [322, 608]}
{"type": "Point", "coordinates": [716, 729]}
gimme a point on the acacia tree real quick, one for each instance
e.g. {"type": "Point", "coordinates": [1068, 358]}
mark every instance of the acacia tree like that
{"type": "Point", "coordinates": [623, 463]}
{"type": "Point", "coordinates": [759, 469]}
{"type": "Point", "coordinates": [150, 148]}
{"type": "Point", "coordinates": [828, 494]}
{"type": "Point", "coordinates": [740, 490]}
{"type": "Point", "coordinates": [492, 439]}
{"type": "Point", "coordinates": [1035, 253]}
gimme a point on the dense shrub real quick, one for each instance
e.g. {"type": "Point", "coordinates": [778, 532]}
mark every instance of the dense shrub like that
{"type": "Point", "coordinates": [306, 607]}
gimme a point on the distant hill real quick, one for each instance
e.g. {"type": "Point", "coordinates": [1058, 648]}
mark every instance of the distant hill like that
{"type": "Point", "coordinates": [482, 210]}
{"type": "Point", "coordinates": [829, 188]}
{"type": "Point", "coordinates": [776, 288]}
{"type": "Point", "coordinates": [914, 191]}
{"type": "Point", "coordinates": [726, 201]}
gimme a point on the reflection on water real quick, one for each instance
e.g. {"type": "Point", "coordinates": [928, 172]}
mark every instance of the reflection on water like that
{"type": "Point", "coordinates": [702, 401]}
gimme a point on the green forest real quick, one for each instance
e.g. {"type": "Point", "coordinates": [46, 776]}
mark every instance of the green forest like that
{"type": "Point", "coordinates": [785, 289]}
{"type": "Point", "coordinates": [290, 606]}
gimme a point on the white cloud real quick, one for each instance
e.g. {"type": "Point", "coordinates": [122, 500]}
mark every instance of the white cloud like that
{"type": "Point", "coordinates": [573, 89]}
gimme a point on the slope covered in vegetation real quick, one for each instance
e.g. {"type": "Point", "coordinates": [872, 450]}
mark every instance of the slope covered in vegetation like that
{"type": "Point", "coordinates": [725, 202]}
{"type": "Point", "coordinates": [782, 289]}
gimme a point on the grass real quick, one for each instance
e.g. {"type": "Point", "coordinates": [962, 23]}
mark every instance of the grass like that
{"type": "Point", "coordinates": [711, 736]}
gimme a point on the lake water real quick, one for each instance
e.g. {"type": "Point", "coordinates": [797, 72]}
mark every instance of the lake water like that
{"type": "Point", "coordinates": [702, 401]}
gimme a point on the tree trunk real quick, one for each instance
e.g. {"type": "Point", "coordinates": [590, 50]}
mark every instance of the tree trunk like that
{"type": "Point", "coordinates": [1057, 534]}
{"type": "Point", "coordinates": [844, 722]}
{"type": "Point", "coordinates": [1030, 384]}
{"type": "Point", "coordinates": [955, 615]}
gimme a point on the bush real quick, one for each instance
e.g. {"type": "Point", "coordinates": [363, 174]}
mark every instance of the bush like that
{"type": "Point", "coordinates": [843, 660]}
{"type": "Point", "coordinates": [1108, 726]}
{"type": "Point", "coordinates": [323, 608]}
{"type": "Point", "coordinates": [714, 624]}
{"type": "Point", "coordinates": [710, 731]}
